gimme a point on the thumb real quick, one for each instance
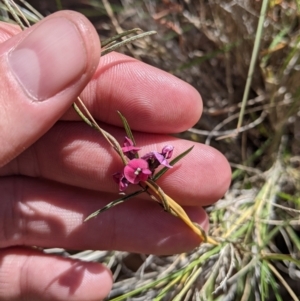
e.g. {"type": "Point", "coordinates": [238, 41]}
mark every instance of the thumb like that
{"type": "Point", "coordinates": [43, 70]}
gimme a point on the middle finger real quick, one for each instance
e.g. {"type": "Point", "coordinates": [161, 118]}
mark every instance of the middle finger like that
{"type": "Point", "coordinates": [74, 154]}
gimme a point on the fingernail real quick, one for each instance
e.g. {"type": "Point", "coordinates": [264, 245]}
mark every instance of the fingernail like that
{"type": "Point", "coordinates": [49, 59]}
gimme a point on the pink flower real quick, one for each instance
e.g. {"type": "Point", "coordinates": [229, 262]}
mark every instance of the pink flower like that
{"type": "Point", "coordinates": [155, 158]}
{"type": "Point", "coordinates": [140, 169]}
{"type": "Point", "coordinates": [120, 179]}
{"type": "Point", "coordinates": [137, 170]}
{"type": "Point", "coordinates": [129, 149]}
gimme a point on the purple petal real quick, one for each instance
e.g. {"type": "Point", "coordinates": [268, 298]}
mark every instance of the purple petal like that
{"type": "Point", "coordinates": [166, 163]}
{"type": "Point", "coordinates": [167, 151]}
{"type": "Point", "coordinates": [120, 179]}
{"type": "Point", "coordinates": [155, 159]}
{"type": "Point", "coordinates": [161, 159]}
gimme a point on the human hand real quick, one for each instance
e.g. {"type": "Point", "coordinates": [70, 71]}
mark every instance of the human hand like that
{"type": "Point", "coordinates": [54, 174]}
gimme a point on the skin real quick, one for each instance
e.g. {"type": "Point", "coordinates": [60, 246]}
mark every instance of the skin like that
{"type": "Point", "coordinates": [55, 171]}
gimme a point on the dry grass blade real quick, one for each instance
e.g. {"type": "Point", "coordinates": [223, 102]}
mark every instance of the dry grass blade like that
{"type": "Point", "coordinates": [172, 207]}
{"type": "Point", "coordinates": [126, 42]}
{"type": "Point", "coordinates": [16, 12]}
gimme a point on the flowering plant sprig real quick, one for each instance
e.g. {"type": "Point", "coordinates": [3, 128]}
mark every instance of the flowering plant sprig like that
{"type": "Point", "coordinates": [141, 171]}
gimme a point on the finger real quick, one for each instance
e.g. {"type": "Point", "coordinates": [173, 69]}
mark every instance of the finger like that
{"type": "Point", "coordinates": [74, 154]}
{"type": "Point", "coordinates": [26, 274]}
{"type": "Point", "coordinates": [152, 100]}
{"type": "Point", "coordinates": [43, 69]}
{"type": "Point", "coordinates": [7, 31]}
{"type": "Point", "coordinates": [35, 212]}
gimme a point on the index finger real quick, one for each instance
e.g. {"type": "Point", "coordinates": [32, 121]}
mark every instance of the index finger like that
{"type": "Point", "coordinates": [151, 99]}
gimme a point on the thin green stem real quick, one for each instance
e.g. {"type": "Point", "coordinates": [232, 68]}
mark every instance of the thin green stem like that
{"type": "Point", "coordinates": [253, 61]}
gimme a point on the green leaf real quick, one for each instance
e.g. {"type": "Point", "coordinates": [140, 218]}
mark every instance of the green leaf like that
{"type": "Point", "coordinates": [265, 275]}
{"type": "Point", "coordinates": [114, 203]}
{"type": "Point", "coordinates": [173, 162]}
{"type": "Point", "coordinates": [127, 128]}
{"type": "Point", "coordinates": [294, 236]}
{"type": "Point", "coordinates": [128, 131]}
{"type": "Point", "coordinates": [275, 287]}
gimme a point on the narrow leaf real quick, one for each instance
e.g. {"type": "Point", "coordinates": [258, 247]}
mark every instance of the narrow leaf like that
{"type": "Point", "coordinates": [128, 131]}
{"type": "Point", "coordinates": [173, 162]}
{"type": "Point", "coordinates": [114, 203]}
{"type": "Point", "coordinates": [119, 36]}
{"type": "Point", "coordinates": [127, 128]}
{"type": "Point", "coordinates": [82, 116]}
{"type": "Point", "coordinates": [125, 42]}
